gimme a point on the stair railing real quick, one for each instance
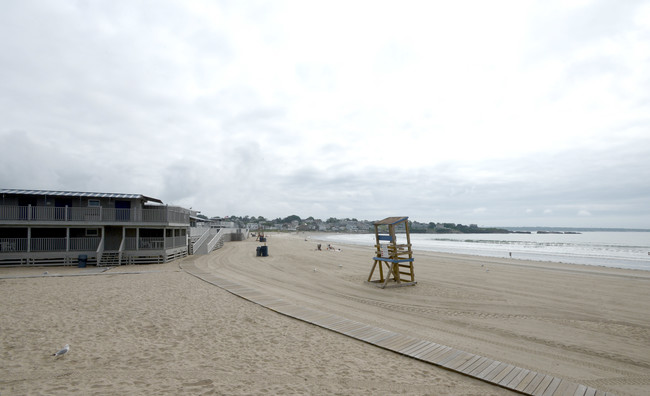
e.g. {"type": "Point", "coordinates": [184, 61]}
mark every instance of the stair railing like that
{"type": "Point", "coordinates": [120, 251]}
{"type": "Point", "coordinates": [100, 251]}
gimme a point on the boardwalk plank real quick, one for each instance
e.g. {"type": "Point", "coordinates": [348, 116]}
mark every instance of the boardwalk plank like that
{"type": "Point", "coordinates": [534, 383]}
{"type": "Point", "coordinates": [429, 349]}
{"type": "Point", "coordinates": [442, 359]}
{"type": "Point", "coordinates": [343, 326]}
{"type": "Point", "coordinates": [383, 335]}
{"type": "Point", "coordinates": [416, 351]}
{"type": "Point", "coordinates": [468, 363]}
{"type": "Point", "coordinates": [522, 379]}
{"type": "Point", "coordinates": [459, 360]}
{"type": "Point", "coordinates": [381, 341]}
{"type": "Point", "coordinates": [503, 374]}
{"type": "Point", "coordinates": [364, 331]}
{"type": "Point", "coordinates": [512, 374]}
{"type": "Point", "coordinates": [488, 369]}
{"type": "Point", "coordinates": [407, 346]}
{"type": "Point", "coordinates": [432, 356]}
{"type": "Point", "coordinates": [339, 324]}
{"type": "Point", "coordinates": [372, 334]}
{"type": "Point", "coordinates": [425, 355]}
{"type": "Point", "coordinates": [566, 387]}
{"type": "Point", "coordinates": [590, 391]}
{"type": "Point", "coordinates": [481, 367]}
{"type": "Point", "coordinates": [396, 342]}
{"type": "Point", "coordinates": [468, 369]}
{"type": "Point", "coordinates": [360, 331]}
{"type": "Point", "coordinates": [541, 388]}
{"type": "Point", "coordinates": [495, 372]}
{"type": "Point", "coordinates": [351, 327]}
{"type": "Point", "coordinates": [552, 387]}
{"type": "Point", "coordinates": [580, 390]}
{"type": "Point", "coordinates": [415, 347]}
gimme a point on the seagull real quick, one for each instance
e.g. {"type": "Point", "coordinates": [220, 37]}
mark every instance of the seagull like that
{"type": "Point", "coordinates": [63, 351]}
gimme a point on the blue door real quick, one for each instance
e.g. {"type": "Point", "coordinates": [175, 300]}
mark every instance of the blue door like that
{"type": "Point", "coordinates": [122, 210]}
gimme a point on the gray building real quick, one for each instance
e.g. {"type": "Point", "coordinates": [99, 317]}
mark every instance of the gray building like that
{"type": "Point", "coordinates": [39, 227]}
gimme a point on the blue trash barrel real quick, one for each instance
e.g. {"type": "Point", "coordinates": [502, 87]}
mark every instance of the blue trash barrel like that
{"type": "Point", "coordinates": [82, 260]}
{"type": "Point", "coordinates": [259, 251]}
{"type": "Point", "coordinates": [265, 251]}
{"type": "Point", "coordinates": [262, 239]}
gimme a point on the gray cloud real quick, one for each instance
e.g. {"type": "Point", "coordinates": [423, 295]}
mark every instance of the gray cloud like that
{"type": "Point", "coordinates": [245, 109]}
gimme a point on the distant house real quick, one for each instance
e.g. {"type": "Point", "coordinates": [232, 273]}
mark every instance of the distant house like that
{"type": "Point", "coordinates": [39, 227]}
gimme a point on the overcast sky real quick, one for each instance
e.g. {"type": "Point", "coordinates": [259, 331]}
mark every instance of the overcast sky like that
{"type": "Point", "coordinates": [500, 113]}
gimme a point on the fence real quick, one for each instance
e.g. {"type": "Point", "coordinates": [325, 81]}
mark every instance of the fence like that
{"type": "Point", "coordinates": [163, 214]}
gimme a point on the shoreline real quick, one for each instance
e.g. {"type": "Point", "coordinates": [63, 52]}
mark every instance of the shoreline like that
{"type": "Point", "coordinates": [541, 259]}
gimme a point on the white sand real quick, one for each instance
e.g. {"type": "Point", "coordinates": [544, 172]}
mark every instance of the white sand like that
{"type": "Point", "coordinates": [163, 331]}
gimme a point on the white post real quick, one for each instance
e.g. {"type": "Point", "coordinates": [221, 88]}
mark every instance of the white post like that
{"type": "Point", "coordinates": [67, 236]}
{"type": "Point", "coordinates": [137, 238]}
{"type": "Point", "coordinates": [29, 237]}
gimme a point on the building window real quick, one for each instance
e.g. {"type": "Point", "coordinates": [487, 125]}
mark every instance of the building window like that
{"type": "Point", "coordinates": [93, 202]}
{"type": "Point", "coordinates": [92, 232]}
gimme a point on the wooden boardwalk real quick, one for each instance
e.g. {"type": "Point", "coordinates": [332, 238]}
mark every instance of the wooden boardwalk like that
{"type": "Point", "coordinates": [498, 373]}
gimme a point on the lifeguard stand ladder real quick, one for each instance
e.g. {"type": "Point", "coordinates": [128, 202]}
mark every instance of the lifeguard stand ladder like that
{"type": "Point", "coordinates": [398, 258]}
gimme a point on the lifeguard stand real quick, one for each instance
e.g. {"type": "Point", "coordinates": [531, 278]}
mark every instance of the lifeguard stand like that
{"type": "Point", "coordinates": [398, 258]}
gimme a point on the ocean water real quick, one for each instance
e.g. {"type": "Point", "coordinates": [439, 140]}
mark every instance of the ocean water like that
{"type": "Point", "coordinates": [610, 249]}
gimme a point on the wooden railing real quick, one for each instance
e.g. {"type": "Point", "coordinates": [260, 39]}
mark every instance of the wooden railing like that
{"type": "Point", "coordinates": [177, 241]}
{"type": "Point", "coordinates": [13, 245]}
{"type": "Point", "coordinates": [153, 243]}
{"type": "Point", "coordinates": [163, 214]}
{"type": "Point", "coordinates": [9, 245]}
{"type": "Point", "coordinates": [84, 243]}
{"type": "Point", "coordinates": [48, 244]}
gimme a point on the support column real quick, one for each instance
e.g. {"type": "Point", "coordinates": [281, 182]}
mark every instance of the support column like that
{"type": "Point", "coordinates": [29, 236]}
{"type": "Point", "coordinates": [137, 238]}
{"type": "Point", "coordinates": [67, 237]}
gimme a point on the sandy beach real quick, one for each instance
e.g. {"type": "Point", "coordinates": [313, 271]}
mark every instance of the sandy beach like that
{"type": "Point", "coordinates": [156, 329]}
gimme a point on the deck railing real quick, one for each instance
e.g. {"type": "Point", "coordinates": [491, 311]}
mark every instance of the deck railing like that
{"type": "Point", "coordinates": [163, 214]}
{"type": "Point", "coordinates": [84, 243]}
{"type": "Point", "coordinates": [13, 245]}
{"type": "Point", "coordinates": [174, 242]}
{"type": "Point", "coordinates": [153, 243]}
{"type": "Point", "coordinates": [47, 244]}
{"type": "Point", "coordinates": [9, 245]}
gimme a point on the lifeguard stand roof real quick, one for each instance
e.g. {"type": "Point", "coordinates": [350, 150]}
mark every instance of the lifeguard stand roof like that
{"type": "Point", "coordinates": [391, 220]}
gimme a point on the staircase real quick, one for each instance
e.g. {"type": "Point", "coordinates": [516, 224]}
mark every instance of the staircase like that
{"type": "Point", "coordinates": [218, 245]}
{"type": "Point", "coordinates": [109, 259]}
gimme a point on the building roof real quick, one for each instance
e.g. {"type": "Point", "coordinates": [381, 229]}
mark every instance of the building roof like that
{"type": "Point", "coordinates": [391, 220]}
{"type": "Point", "coordinates": [10, 191]}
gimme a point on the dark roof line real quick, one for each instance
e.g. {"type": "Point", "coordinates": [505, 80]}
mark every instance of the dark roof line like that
{"type": "Point", "coordinates": [10, 191]}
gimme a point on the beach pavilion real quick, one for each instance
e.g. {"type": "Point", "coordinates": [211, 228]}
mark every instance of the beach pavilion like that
{"type": "Point", "coordinates": [41, 227]}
